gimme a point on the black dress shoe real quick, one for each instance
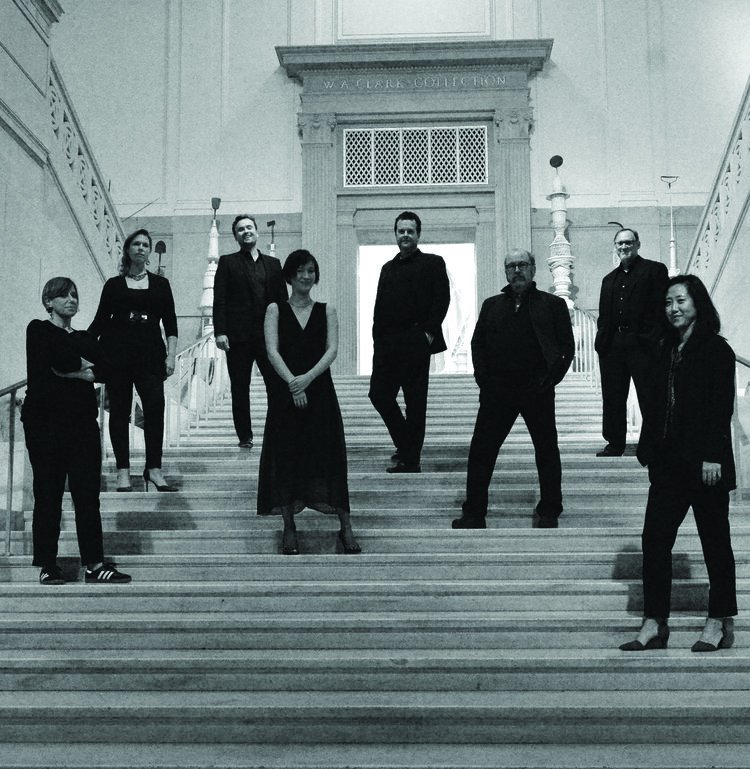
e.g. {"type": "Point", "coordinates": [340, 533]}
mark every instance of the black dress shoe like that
{"type": "Point", "coordinates": [248, 444]}
{"type": "Point", "coordinates": [547, 522]}
{"type": "Point", "coordinates": [469, 523]}
{"type": "Point", "coordinates": [611, 451]}
{"type": "Point", "coordinates": [401, 467]}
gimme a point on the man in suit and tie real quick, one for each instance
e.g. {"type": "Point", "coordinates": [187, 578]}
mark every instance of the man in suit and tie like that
{"type": "Point", "coordinates": [411, 303]}
{"type": "Point", "coordinates": [246, 282]}
{"type": "Point", "coordinates": [630, 305]}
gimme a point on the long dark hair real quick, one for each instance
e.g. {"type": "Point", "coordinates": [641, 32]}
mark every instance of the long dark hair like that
{"type": "Point", "coordinates": [125, 261]}
{"type": "Point", "coordinates": [706, 316]}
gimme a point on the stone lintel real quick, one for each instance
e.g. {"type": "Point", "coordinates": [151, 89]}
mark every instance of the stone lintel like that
{"type": "Point", "coordinates": [299, 61]}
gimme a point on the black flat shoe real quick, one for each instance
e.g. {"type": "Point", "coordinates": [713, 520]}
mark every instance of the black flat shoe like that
{"type": "Point", "coordinates": [468, 523]}
{"type": "Point", "coordinates": [404, 468]}
{"type": "Point", "coordinates": [349, 549]}
{"type": "Point", "coordinates": [659, 641]}
{"type": "Point", "coordinates": [611, 451]}
{"type": "Point", "coordinates": [726, 641]}
{"type": "Point", "coordinates": [124, 488]}
{"type": "Point", "coordinates": [165, 487]}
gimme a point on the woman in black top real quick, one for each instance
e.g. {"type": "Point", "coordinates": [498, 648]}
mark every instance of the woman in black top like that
{"type": "Point", "coordinates": [132, 310]}
{"type": "Point", "coordinates": [686, 442]}
{"type": "Point", "coordinates": [62, 434]}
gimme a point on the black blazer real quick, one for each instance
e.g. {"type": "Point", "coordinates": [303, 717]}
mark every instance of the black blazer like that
{"type": "Point", "coordinates": [703, 406]}
{"type": "Point", "coordinates": [414, 293]}
{"type": "Point", "coordinates": [551, 321]}
{"type": "Point", "coordinates": [233, 296]}
{"type": "Point", "coordinates": [134, 346]}
{"type": "Point", "coordinates": [644, 304]}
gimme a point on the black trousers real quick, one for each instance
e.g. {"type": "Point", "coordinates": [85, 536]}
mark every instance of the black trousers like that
{"type": "Point", "coordinates": [240, 359]}
{"type": "Point", "coordinates": [150, 388]}
{"type": "Point", "coordinates": [402, 362]}
{"type": "Point", "coordinates": [625, 360]}
{"type": "Point", "coordinates": [57, 452]}
{"type": "Point", "coordinates": [498, 411]}
{"type": "Point", "coordinates": [669, 498]}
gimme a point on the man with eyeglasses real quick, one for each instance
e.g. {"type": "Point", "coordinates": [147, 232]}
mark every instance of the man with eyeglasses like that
{"type": "Point", "coordinates": [522, 347]}
{"type": "Point", "coordinates": [631, 303]}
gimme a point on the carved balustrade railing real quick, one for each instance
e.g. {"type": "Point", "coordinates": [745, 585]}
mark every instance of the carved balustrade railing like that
{"type": "Point", "coordinates": [725, 210]}
{"type": "Point", "coordinates": [82, 182]}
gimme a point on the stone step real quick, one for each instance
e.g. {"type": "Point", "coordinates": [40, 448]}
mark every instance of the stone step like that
{"type": "Point", "coordinates": [544, 630]}
{"type": "Point", "coordinates": [341, 596]}
{"type": "Point", "coordinates": [260, 561]}
{"type": "Point", "coordinates": [293, 755]}
{"type": "Point", "coordinates": [568, 717]}
{"type": "Point", "coordinates": [373, 670]}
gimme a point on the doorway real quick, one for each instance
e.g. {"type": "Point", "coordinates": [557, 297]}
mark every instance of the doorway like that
{"type": "Point", "coordinates": [458, 326]}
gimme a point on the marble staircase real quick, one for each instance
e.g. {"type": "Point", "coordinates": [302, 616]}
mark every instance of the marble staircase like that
{"type": "Point", "coordinates": [433, 648]}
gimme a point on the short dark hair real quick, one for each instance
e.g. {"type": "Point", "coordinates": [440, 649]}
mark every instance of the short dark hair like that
{"type": "Point", "coordinates": [239, 218]}
{"type": "Point", "coordinates": [55, 287]}
{"type": "Point", "coordinates": [125, 261]}
{"type": "Point", "coordinates": [627, 229]}
{"type": "Point", "coordinates": [706, 314]}
{"type": "Point", "coordinates": [297, 259]}
{"type": "Point", "coordinates": [410, 215]}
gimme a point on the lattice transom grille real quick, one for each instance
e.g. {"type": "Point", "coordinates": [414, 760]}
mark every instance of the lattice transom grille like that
{"type": "Point", "coordinates": [376, 157]}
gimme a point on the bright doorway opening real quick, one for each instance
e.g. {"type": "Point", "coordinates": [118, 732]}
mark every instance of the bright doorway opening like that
{"type": "Point", "coordinates": [458, 326]}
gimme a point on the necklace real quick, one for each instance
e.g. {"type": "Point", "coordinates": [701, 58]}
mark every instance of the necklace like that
{"type": "Point", "coordinates": [301, 306]}
{"type": "Point", "coordinates": [138, 277]}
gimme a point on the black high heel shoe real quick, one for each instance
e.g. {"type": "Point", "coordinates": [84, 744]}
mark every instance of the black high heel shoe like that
{"type": "Point", "coordinates": [348, 549]}
{"type": "Point", "coordinates": [726, 641]}
{"type": "Point", "coordinates": [659, 641]}
{"type": "Point", "coordinates": [289, 544]}
{"type": "Point", "coordinates": [165, 487]}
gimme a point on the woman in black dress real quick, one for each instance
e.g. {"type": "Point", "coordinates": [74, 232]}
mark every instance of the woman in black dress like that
{"type": "Point", "coordinates": [132, 309]}
{"type": "Point", "coordinates": [303, 460]}
{"type": "Point", "coordinates": [62, 434]}
{"type": "Point", "coordinates": [686, 442]}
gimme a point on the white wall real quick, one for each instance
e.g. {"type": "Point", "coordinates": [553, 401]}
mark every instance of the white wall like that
{"type": "Point", "coordinates": [194, 104]}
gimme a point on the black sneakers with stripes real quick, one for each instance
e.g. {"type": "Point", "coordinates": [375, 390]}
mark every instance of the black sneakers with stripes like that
{"type": "Point", "coordinates": [106, 573]}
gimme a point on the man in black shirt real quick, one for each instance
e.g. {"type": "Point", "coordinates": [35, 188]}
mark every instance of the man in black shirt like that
{"type": "Point", "coordinates": [522, 346]}
{"type": "Point", "coordinates": [246, 282]}
{"type": "Point", "coordinates": [631, 304]}
{"type": "Point", "coordinates": [410, 305]}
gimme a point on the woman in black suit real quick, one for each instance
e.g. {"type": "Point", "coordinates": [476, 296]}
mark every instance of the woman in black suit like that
{"type": "Point", "coordinates": [687, 444]}
{"type": "Point", "coordinates": [132, 310]}
{"type": "Point", "coordinates": [62, 434]}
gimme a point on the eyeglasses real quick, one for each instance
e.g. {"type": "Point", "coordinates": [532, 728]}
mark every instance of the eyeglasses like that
{"type": "Point", "coordinates": [626, 242]}
{"type": "Point", "coordinates": [517, 266]}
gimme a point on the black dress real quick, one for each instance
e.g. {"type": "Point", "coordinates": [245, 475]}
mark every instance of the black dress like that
{"type": "Point", "coordinates": [303, 460]}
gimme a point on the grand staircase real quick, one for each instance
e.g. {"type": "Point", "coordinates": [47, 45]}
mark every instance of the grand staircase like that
{"type": "Point", "coordinates": [433, 648]}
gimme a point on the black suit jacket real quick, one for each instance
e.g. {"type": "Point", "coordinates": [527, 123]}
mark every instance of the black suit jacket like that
{"type": "Point", "coordinates": [412, 294]}
{"type": "Point", "coordinates": [703, 406]}
{"type": "Point", "coordinates": [551, 321]}
{"type": "Point", "coordinates": [233, 296]}
{"type": "Point", "coordinates": [644, 304]}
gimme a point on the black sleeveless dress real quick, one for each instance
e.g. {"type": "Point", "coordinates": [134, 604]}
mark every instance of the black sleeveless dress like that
{"type": "Point", "coordinates": [303, 460]}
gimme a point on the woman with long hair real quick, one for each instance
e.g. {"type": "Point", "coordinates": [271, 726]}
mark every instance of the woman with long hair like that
{"type": "Point", "coordinates": [686, 443]}
{"type": "Point", "coordinates": [133, 308]}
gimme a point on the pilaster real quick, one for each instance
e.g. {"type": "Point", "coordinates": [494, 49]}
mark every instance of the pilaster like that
{"type": "Point", "coordinates": [316, 131]}
{"type": "Point", "coordinates": [513, 198]}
